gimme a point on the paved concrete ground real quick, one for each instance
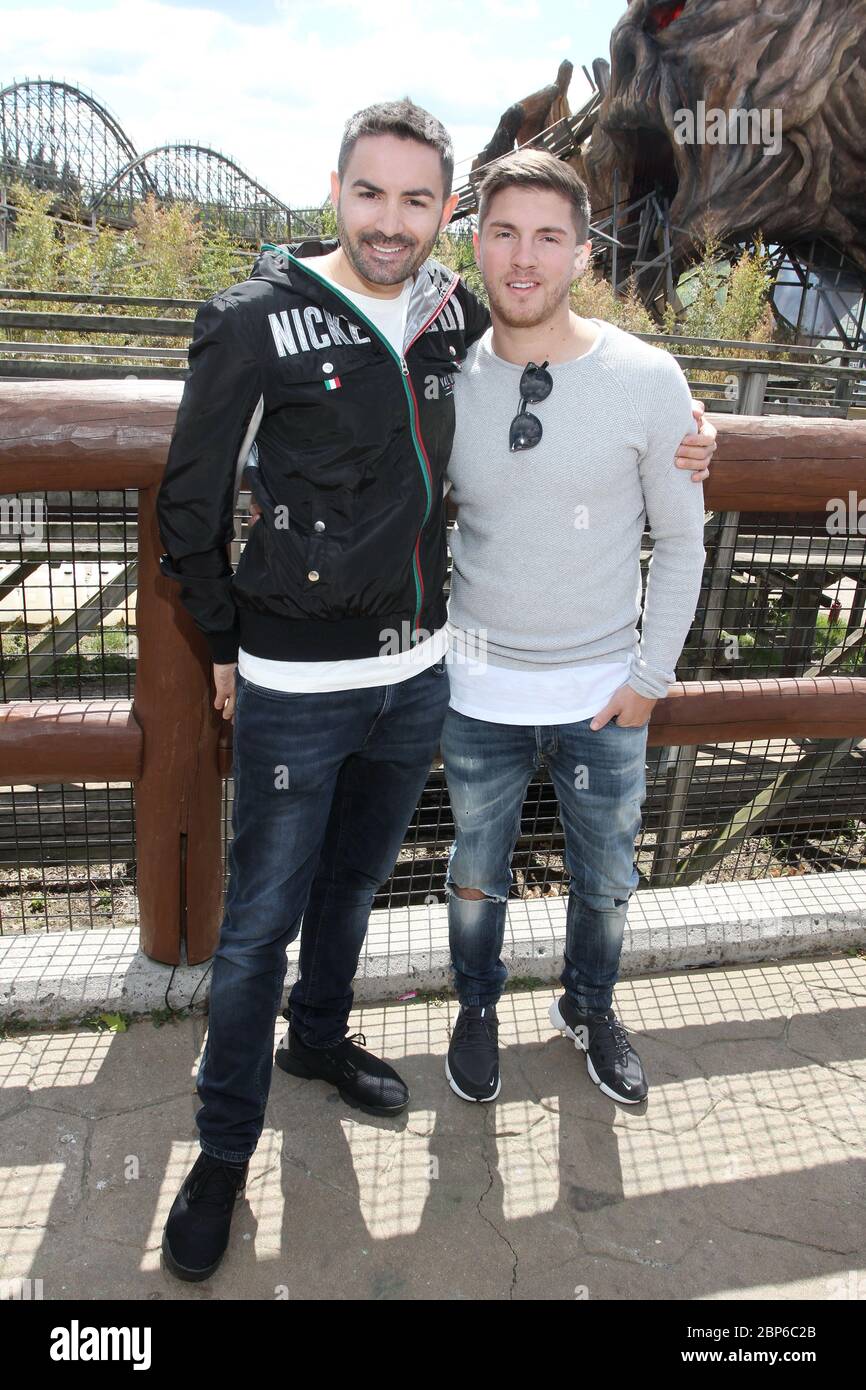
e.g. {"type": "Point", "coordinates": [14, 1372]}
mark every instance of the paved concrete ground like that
{"type": "Point", "coordinates": [742, 1176]}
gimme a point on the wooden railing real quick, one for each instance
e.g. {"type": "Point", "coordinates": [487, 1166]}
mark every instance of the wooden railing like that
{"type": "Point", "coordinates": [175, 748]}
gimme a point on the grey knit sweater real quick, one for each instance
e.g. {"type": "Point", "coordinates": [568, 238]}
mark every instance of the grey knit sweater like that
{"type": "Point", "coordinates": [547, 545]}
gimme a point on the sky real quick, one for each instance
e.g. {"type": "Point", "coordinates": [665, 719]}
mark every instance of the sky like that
{"type": "Point", "coordinates": [270, 83]}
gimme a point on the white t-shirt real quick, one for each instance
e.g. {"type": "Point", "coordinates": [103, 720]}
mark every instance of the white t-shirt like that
{"type": "Point", "coordinates": [507, 695]}
{"type": "Point", "coordinates": [357, 673]}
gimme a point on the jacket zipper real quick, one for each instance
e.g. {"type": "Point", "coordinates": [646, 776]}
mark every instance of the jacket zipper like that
{"type": "Point", "coordinates": [412, 402]}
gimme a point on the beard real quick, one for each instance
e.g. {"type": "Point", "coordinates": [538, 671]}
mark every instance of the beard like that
{"type": "Point", "coordinates": [530, 314]}
{"type": "Point", "coordinates": [363, 261]}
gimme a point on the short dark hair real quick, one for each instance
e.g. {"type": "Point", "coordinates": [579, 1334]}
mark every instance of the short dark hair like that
{"type": "Point", "coordinates": [408, 122]}
{"type": "Point", "coordinates": [537, 169]}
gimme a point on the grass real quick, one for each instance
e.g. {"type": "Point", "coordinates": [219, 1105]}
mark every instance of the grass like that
{"type": "Point", "coordinates": [96, 1022]}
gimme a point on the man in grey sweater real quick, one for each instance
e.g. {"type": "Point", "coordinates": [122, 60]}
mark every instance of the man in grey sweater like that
{"type": "Point", "coordinates": [567, 429]}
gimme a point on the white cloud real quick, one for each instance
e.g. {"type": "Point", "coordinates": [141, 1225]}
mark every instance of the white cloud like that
{"type": "Point", "coordinates": [274, 94]}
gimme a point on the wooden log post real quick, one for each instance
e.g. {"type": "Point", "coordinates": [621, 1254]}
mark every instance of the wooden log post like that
{"type": "Point", "coordinates": [178, 798]}
{"type": "Point", "coordinates": [108, 435]}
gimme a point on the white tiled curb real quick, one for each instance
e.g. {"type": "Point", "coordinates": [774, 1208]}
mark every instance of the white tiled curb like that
{"type": "Point", "coordinates": [44, 978]}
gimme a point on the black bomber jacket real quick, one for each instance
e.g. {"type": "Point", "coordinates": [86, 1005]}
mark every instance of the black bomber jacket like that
{"type": "Point", "coordinates": [344, 443]}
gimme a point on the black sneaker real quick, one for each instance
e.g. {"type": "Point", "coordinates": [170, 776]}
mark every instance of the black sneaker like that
{"type": "Point", "coordinates": [472, 1064]}
{"type": "Point", "coordinates": [611, 1060]}
{"type": "Point", "coordinates": [197, 1230]}
{"type": "Point", "coordinates": [365, 1082]}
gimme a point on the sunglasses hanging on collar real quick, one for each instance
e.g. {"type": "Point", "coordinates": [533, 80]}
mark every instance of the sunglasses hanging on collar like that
{"type": "Point", "coordinates": [536, 384]}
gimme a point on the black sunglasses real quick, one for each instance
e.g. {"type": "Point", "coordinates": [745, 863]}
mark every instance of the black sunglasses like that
{"type": "Point", "coordinates": [536, 384]}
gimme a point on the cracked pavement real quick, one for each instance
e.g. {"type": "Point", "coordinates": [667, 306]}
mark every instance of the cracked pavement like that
{"type": "Point", "coordinates": [742, 1176]}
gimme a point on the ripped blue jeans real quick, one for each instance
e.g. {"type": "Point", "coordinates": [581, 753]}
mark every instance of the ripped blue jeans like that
{"type": "Point", "coordinates": [600, 781]}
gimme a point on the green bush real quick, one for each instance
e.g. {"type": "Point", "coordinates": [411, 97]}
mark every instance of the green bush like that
{"type": "Point", "coordinates": [167, 253]}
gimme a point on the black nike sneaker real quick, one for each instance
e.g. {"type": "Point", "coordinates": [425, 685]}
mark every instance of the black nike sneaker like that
{"type": "Point", "coordinates": [472, 1064]}
{"type": "Point", "coordinates": [197, 1230]}
{"type": "Point", "coordinates": [365, 1082]}
{"type": "Point", "coordinates": [611, 1060]}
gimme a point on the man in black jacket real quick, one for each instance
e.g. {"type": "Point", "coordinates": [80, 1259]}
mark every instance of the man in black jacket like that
{"type": "Point", "coordinates": [329, 374]}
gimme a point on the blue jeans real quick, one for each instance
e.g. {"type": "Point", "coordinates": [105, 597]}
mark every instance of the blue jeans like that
{"type": "Point", "coordinates": [324, 789]}
{"type": "Point", "coordinates": [600, 780]}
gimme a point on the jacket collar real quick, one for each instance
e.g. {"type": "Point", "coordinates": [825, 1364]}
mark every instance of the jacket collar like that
{"type": "Point", "coordinates": [433, 285]}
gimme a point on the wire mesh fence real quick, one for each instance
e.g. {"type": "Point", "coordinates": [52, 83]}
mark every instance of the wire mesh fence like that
{"type": "Point", "coordinates": [782, 595]}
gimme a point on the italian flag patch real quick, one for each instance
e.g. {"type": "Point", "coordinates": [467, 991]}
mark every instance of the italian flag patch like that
{"type": "Point", "coordinates": [332, 383]}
